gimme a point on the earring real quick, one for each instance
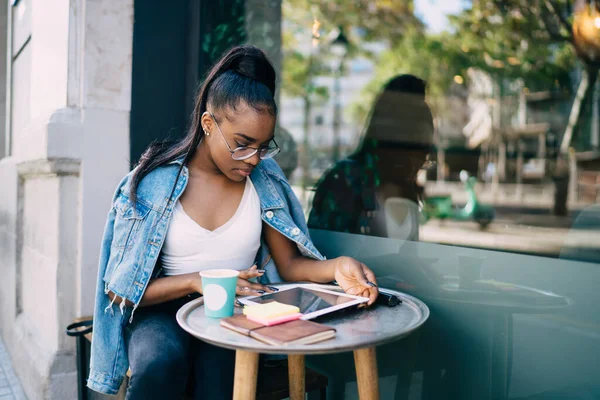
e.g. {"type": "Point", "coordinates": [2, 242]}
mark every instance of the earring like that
{"type": "Point", "coordinates": [206, 133]}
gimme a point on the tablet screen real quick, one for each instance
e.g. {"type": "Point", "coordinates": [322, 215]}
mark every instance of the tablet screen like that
{"type": "Point", "coordinates": [306, 300]}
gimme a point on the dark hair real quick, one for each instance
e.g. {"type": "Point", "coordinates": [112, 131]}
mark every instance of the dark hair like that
{"type": "Point", "coordinates": [408, 84]}
{"type": "Point", "coordinates": [409, 107]}
{"type": "Point", "coordinates": [243, 75]}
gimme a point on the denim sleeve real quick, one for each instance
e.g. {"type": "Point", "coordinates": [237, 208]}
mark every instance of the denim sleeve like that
{"type": "Point", "coordinates": [108, 362]}
{"type": "Point", "coordinates": [107, 329]}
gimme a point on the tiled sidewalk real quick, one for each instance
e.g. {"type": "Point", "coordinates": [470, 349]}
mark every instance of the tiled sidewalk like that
{"type": "Point", "coordinates": [10, 388]}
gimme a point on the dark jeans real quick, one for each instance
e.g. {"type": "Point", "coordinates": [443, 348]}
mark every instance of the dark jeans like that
{"type": "Point", "coordinates": [164, 359]}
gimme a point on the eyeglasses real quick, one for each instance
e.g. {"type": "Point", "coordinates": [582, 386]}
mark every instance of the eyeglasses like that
{"type": "Point", "coordinates": [245, 152]}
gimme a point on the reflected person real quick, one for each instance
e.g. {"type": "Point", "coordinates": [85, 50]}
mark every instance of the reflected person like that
{"type": "Point", "coordinates": [352, 196]}
{"type": "Point", "coordinates": [398, 140]}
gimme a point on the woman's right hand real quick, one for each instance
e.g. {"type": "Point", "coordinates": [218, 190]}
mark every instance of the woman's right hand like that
{"type": "Point", "coordinates": [247, 288]}
{"type": "Point", "coordinates": [244, 286]}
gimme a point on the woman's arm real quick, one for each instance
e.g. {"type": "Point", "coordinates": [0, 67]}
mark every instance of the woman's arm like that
{"type": "Point", "coordinates": [353, 276]}
{"type": "Point", "coordinates": [162, 290]}
{"type": "Point", "coordinates": [168, 288]}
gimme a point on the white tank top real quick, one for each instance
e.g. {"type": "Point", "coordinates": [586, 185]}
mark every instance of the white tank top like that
{"type": "Point", "coordinates": [190, 248]}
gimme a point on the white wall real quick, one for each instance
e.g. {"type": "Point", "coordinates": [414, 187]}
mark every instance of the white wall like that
{"type": "Point", "coordinates": [105, 98]}
{"type": "Point", "coordinates": [8, 248]}
{"type": "Point", "coordinates": [70, 103]}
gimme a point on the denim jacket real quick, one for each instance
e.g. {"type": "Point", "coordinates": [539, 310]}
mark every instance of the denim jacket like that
{"type": "Point", "coordinates": [133, 238]}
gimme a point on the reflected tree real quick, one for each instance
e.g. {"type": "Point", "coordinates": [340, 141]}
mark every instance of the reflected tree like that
{"type": "Point", "coordinates": [223, 28]}
{"type": "Point", "coordinates": [306, 30]}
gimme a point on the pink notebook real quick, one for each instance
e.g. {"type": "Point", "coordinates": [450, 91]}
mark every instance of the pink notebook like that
{"type": "Point", "coordinates": [275, 321]}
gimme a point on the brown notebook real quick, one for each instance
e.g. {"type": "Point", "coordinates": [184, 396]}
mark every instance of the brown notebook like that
{"type": "Point", "coordinates": [290, 333]}
{"type": "Point", "coordinates": [240, 324]}
{"type": "Point", "coordinates": [294, 332]}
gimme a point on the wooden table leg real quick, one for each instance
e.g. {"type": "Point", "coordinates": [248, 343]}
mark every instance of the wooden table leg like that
{"type": "Point", "coordinates": [365, 362]}
{"type": "Point", "coordinates": [246, 374]}
{"type": "Point", "coordinates": [296, 371]}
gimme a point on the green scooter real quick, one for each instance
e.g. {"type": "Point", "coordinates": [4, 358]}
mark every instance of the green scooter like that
{"type": "Point", "coordinates": [441, 206]}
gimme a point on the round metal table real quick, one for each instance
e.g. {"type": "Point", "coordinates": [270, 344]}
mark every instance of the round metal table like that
{"type": "Point", "coordinates": [359, 332]}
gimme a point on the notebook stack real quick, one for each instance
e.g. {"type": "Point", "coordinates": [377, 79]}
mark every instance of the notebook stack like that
{"type": "Point", "coordinates": [277, 324]}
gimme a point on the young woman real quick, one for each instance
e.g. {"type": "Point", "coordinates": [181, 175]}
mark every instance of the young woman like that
{"type": "Point", "coordinates": [205, 202]}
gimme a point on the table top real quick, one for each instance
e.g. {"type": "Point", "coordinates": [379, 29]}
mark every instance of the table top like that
{"type": "Point", "coordinates": [357, 329]}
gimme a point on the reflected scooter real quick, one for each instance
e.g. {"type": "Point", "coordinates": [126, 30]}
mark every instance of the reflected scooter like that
{"type": "Point", "coordinates": [441, 206]}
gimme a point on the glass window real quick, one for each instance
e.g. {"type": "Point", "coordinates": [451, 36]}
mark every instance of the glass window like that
{"type": "Point", "coordinates": [453, 147]}
{"type": "Point", "coordinates": [475, 123]}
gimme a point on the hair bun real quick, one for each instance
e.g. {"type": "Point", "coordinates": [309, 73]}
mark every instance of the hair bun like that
{"type": "Point", "coordinates": [409, 84]}
{"type": "Point", "coordinates": [250, 61]}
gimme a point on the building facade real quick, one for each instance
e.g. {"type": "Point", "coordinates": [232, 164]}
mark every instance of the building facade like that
{"type": "Point", "coordinates": [86, 85]}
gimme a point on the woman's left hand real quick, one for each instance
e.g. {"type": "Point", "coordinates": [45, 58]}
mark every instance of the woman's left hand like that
{"type": "Point", "coordinates": [354, 277]}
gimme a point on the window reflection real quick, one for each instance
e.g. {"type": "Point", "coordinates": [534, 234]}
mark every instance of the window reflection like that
{"type": "Point", "coordinates": [374, 191]}
{"type": "Point", "coordinates": [509, 115]}
{"type": "Point", "coordinates": [510, 171]}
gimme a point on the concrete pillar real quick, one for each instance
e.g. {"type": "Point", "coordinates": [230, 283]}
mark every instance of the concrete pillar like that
{"type": "Point", "coordinates": [106, 103]}
{"type": "Point", "coordinates": [70, 95]}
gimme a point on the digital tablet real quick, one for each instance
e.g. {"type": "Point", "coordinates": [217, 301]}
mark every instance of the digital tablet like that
{"type": "Point", "coordinates": [312, 301]}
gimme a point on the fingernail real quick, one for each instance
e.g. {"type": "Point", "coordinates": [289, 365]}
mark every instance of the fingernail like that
{"type": "Point", "coordinates": [273, 288]}
{"type": "Point", "coordinates": [261, 271]}
{"type": "Point", "coordinates": [261, 291]}
{"type": "Point", "coordinates": [371, 284]}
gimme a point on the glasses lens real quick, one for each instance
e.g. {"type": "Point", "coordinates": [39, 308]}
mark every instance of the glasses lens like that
{"type": "Point", "coordinates": [242, 153]}
{"type": "Point", "coordinates": [269, 152]}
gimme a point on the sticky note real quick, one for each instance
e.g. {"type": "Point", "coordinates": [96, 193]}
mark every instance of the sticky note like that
{"type": "Point", "coordinates": [276, 320]}
{"type": "Point", "coordinates": [270, 310]}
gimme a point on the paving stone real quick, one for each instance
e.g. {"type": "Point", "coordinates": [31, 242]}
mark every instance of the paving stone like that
{"type": "Point", "coordinates": [10, 388]}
